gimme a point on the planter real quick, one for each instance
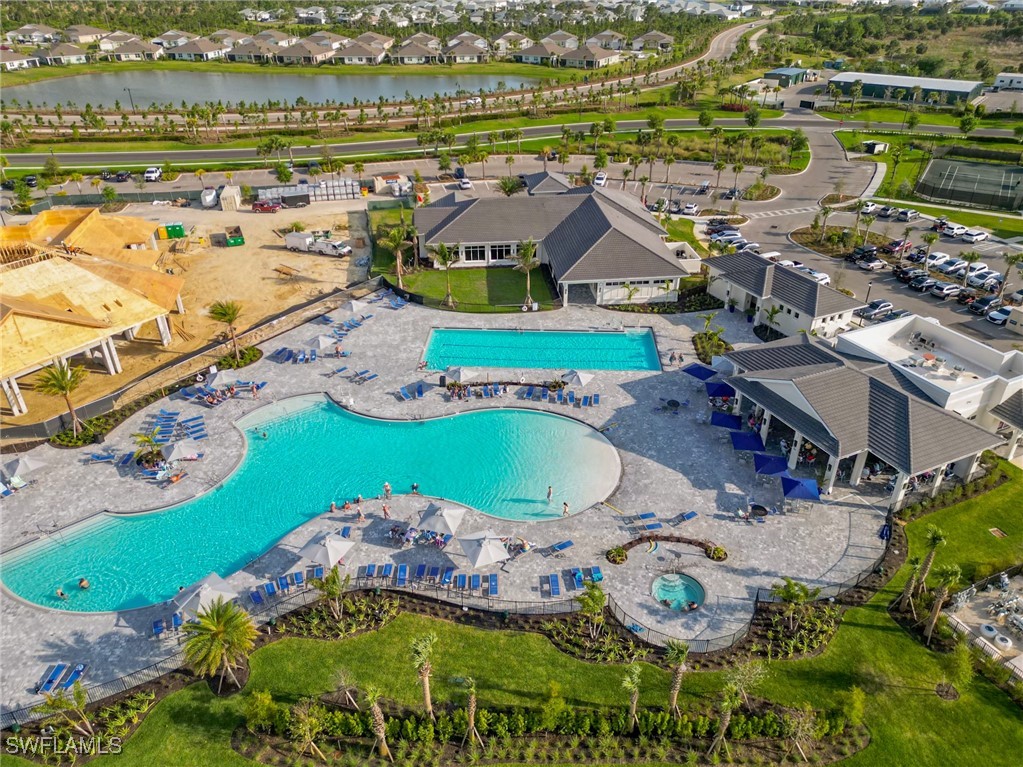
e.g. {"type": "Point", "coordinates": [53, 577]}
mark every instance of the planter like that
{"type": "Point", "coordinates": [749, 319]}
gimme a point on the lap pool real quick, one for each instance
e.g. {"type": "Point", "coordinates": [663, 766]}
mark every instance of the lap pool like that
{"type": "Point", "coordinates": [553, 349]}
{"type": "Point", "coordinates": [497, 461]}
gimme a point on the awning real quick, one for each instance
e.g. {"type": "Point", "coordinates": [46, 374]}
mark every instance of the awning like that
{"type": "Point", "coordinates": [699, 371]}
{"type": "Point", "coordinates": [324, 342]}
{"type": "Point", "coordinates": [444, 521]}
{"type": "Point", "coordinates": [747, 440]}
{"type": "Point", "coordinates": [727, 420]}
{"type": "Point", "coordinates": [719, 389]}
{"type": "Point", "coordinates": [483, 548]}
{"type": "Point", "coordinates": [576, 378]}
{"type": "Point", "coordinates": [197, 597]}
{"type": "Point", "coordinates": [770, 465]}
{"type": "Point", "coordinates": [461, 375]}
{"type": "Point", "coordinates": [326, 551]}
{"type": "Point", "coordinates": [806, 489]}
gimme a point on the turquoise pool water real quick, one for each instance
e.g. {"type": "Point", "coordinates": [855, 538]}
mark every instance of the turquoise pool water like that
{"type": "Point", "coordinates": [497, 461]}
{"type": "Point", "coordinates": [555, 349]}
{"type": "Point", "coordinates": [679, 590]}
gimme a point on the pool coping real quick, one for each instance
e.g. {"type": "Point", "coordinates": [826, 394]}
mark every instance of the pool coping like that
{"type": "Point", "coordinates": [235, 423]}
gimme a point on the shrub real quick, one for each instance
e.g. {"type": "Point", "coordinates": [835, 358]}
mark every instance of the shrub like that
{"type": "Point", "coordinates": [248, 355]}
{"type": "Point", "coordinates": [855, 705]}
{"type": "Point", "coordinates": [617, 555]}
{"type": "Point", "coordinates": [260, 711]}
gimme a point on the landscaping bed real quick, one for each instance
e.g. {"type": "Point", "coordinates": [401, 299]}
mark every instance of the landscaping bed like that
{"type": "Point", "coordinates": [708, 345]}
{"type": "Point", "coordinates": [761, 193]}
{"type": "Point", "coordinates": [692, 300]}
{"type": "Point", "coordinates": [835, 244]}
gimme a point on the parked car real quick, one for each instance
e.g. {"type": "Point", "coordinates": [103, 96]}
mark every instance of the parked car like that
{"type": "Point", "coordinates": [985, 304]}
{"type": "Point", "coordinates": [1014, 298]}
{"type": "Point", "coordinates": [898, 271]}
{"type": "Point", "coordinates": [123, 175]}
{"type": "Point", "coordinates": [675, 208]}
{"type": "Point", "coordinates": [31, 181]}
{"type": "Point", "coordinates": [967, 296]}
{"type": "Point", "coordinates": [911, 274]}
{"type": "Point", "coordinates": [940, 224]}
{"type": "Point", "coordinates": [105, 174]}
{"type": "Point", "coordinates": [464, 183]}
{"type": "Point", "coordinates": [876, 309]}
{"type": "Point", "coordinates": [936, 259]}
{"type": "Point", "coordinates": [897, 246]}
{"type": "Point", "coordinates": [658, 205]}
{"type": "Point", "coordinates": [7, 183]}
{"type": "Point", "coordinates": [908, 214]}
{"type": "Point", "coordinates": [924, 283]}
{"type": "Point", "coordinates": [972, 269]}
{"type": "Point", "coordinates": [703, 188]}
{"type": "Point", "coordinates": [896, 315]}
{"type": "Point", "coordinates": [952, 266]}
{"type": "Point", "coordinates": [691, 209]}
{"type": "Point", "coordinates": [974, 235]}
{"type": "Point", "coordinates": [887, 211]}
{"type": "Point", "coordinates": [731, 194]}
{"type": "Point", "coordinates": [265, 206]}
{"type": "Point", "coordinates": [986, 279]}
{"type": "Point", "coordinates": [153, 174]}
{"type": "Point", "coordinates": [918, 256]}
{"type": "Point", "coordinates": [868, 208]}
{"type": "Point", "coordinates": [945, 290]}
{"type": "Point", "coordinates": [721, 229]}
{"type": "Point", "coordinates": [600, 179]}
{"type": "Point", "coordinates": [726, 236]}
{"type": "Point", "coordinates": [872, 264]}
{"type": "Point", "coordinates": [748, 247]}
{"type": "Point", "coordinates": [822, 278]}
{"type": "Point", "coordinates": [1000, 315]}
{"type": "Point", "coordinates": [863, 251]}
{"type": "Point", "coordinates": [953, 230]}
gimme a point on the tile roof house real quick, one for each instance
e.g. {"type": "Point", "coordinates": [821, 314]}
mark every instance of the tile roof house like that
{"type": "Point", "coordinates": [337, 42]}
{"type": "Point", "coordinates": [471, 38]}
{"type": "Point", "coordinates": [254, 52]}
{"type": "Point", "coordinates": [172, 39]}
{"type": "Point", "coordinates": [60, 54]}
{"type": "Point", "coordinates": [786, 299]}
{"type": "Point", "coordinates": [562, 38]}
{"type": "Point", "coordinates": [83, 34]}
{"type": "Point", "coordinates": [609, 39]}
{"type": "Point", "coordinates": [541, 53]}
{"type": "Point", "coordinates": [465, 53]}
{"type": "Point", "coordinates": [591, 237]}
{"type": "Point", "coordinates": [199, 49]}
{"type": "Point", "coordinates": [305, 52]}
{"type": "Point", "coordinates": [115, 40]}
{"type": "Point", "coordinates": [414, 53]}
{"type": "Point", "coordinates": [854, 409]}
{"type": "Point", "coordinates": [590, 57]}
{"type": "Point", "coordinates": [653, 39]}
{"type": "Point", "coordinates": [357, 53]}
{"type": "Point", "coordinates": [33, 33]}
{"type": "Point", "coordinates": [137, 50]}
{"type": "Point", "coordinates": [11, 60]}
{"type": "Point", "coordinates": [230, 37]}
{"type": "Point", "coordinates": [424, 39]}
{"type": "Point", "coordinates": [512, 41]}
{"type": "Point", "coordinates": [375, 40]}
{"type": "Point", "coordinates": [276, 37]}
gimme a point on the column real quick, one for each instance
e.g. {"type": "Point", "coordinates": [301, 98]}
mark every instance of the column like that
{"type": "Point", "coordinates": [966, 467]}
{"type": "Point", "coordinates": [765, 427]}
{"type": "Point", "coordinates": [939, 475]}
{"type": "Point", "coordinates": [163, 326]}
{"type": "Point", "coordinates": [1014, 436]}
{"type": "Point", "coordinates": [105, 354]}
{"type": "Point", "coordinates": [901, 479]}
{"type": "Point", "coordinates": [564, 294]}
{"type": "Point", "coordinates": [129, 334]}
{"type": "Point", "coordinates": [113, 355]}
{"type": "Point", "coordinates": [857, 469]}
{"type": "Point", "coordinates": [17, 394]}
{"type": "Point", "coordinates": [797, 442]}
{"type": "Point", "coordinates": [830, 475]}
{"type": "Point", "coordinates": [737, 404]}
{"type": "Point", "coordinates": [12, 399]}
{"type": "Point", "coordinates": [178, 304]}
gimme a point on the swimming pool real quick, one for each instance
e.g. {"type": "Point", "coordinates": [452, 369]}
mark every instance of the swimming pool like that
{"type": "Point", "coordinates": [678, 590]}
{"type": "Point", "coordinates": [554, 349]}
{"type": "Point", "coordinates": [499, 461]}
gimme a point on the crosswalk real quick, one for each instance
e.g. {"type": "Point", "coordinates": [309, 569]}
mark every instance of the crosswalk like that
{"type": "Point", "coordinates": [784, 212]}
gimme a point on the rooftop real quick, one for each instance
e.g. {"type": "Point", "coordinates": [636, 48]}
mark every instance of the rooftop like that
{"type": "Point", "coordinates": [904, 81]}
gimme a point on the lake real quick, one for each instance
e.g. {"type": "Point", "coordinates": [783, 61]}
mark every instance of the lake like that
{"type": "Point", "coordinates": [163, 87]}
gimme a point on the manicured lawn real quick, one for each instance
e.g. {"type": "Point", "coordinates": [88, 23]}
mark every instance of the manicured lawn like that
{"type": "Point", "coordinates": [894, 115]}
{"type": "Point", "coordinates": [1005, 225]}
{"type": "Point", "coordinates": [681, 230]}
{"type": "Point", "coordinates": [481, 290]}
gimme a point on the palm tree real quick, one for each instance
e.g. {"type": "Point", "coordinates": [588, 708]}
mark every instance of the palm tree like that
{"type": "Point", "coordinates": [719, 165]}
{"type": "Point", "coordinates": [869, 221]}
{"type": "Point", "coordinates": [228, 312]}
{"type": "Point", "coordinates": [631, 685]}
{"type": "Point", "coordinates": [358, 167]}
{"type": "Point", "coordinates": [935, 538]}
{"type": "Point", "coordinates": [395, 242]}
{"type": "Point", "coordinates": [219, 640]}
{"type": "Point", "coordinates": [668, 162]}
{"type": "Point", "coordinates": [626, 172]}
{"type": "Point", "coordinates": [379, 724]}
{"type": "Point", "coordinates": [78, 178]}
{"type": "Point", "coordinates": [591, 605]}
{"type": "Point", "coordinates": [525, 262]}
{"type": "Point", "coordinates": [676, 654]}
{"type": "Point", "coordinates": [422, 661]}
{"type": "Point", "coordinates": [929, 239]}
{"type": "Point", "coordinates": [147, 448]}
{"type": "Point", "coordinates": [716, 133]}
{"type": "Point", "coordinates": [63, 705]}
{"type": "Point", "coordinates": [906, 600]}
{"type": "Point", "coordinates": [737, 169]}
{"type": "Point", "coordinates": [826, 211]}
{"type": "Point", "coordinates": [643, 181]}
{"type": "Point", "coordinates": [1011, 260]}
{"type": "Point", "coordinates": [332, 588]}
{"type": "Point", "coordinates": [545, 152]}
{"type": "Point", "coordinates": [445, 257]}
{"type": "Point", "coordinates": [729, 702]}
{"type": "Point", "coordinates": [970, 257]}
{"type": "Point", "coordinates": [772, 314]}
{"type": "Point", "coordinates": [470, 712]}
{"type": "Point", "coordinates": [199, 173]}
{"type": "Point", "coordinates": [61, 380]}
{"type": "Point", "coordinates": [948, 578]}
{"type": "Point", "coordinates": [708, 319]}
{"type": "Point", "coordinates": [304, 726]}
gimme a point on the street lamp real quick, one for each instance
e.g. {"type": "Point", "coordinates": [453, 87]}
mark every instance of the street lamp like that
{"type": "Point", "coordinates": [869, 286]}
{"type": "Point", "coordinates": [130, 100]}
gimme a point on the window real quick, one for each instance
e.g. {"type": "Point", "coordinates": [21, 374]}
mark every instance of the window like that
{"type": "Point", "coordinates": [797, 315]}
{"type": "Point", "coordinates": [787, 310]}
{"type": "Point", "coordinates": [474, 253]}
{"type": "Point", "coordinates": [499, 252]}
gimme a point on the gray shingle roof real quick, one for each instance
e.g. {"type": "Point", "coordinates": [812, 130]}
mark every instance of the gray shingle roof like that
{"type": "Point", "coordinates": [589, 53]}
{"type": "Point", "coordinates": [748, 271]}
{"type": "Point", "coordinates": [794, 351]}
{"type": "Point", "coordinates": [903, 81]}
{"type": "Point", "coordinates": [413, 50]}
{"type": "Point", "coordinates": [547, 183]}
{"type": "Point", "coordinates": [1011, 410]}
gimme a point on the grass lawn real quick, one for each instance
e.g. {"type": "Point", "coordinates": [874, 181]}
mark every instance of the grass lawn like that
{"type": "Point", "coordinates": [895, 115]}
{"type": "Point", "coordinates": [487, 289]}
{"type": "Point", "coordinates": [681, 230]}
{"type": "Point", "coordinates": [1004, 224]}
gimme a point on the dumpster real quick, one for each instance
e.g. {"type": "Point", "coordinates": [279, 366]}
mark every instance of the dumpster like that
{"type": "Point", "coordinates": [234, 236]}
{"type": "Point", "coordinates": [175, 230]}
{"type": "Point", "coordinates": [161, 233]}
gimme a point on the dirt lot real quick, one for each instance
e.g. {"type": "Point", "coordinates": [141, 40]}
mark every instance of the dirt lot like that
{"type": "Point", "coordinates": [244, 274]}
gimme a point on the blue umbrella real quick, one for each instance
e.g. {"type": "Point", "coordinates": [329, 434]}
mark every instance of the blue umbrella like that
{"type": "Point", "coordinates": [699, 371]}
{"type": "Point", "coordinates": [770, 465]}
{"type": "Point", "coordinates": [725, 419]}
{"type": "Point", "coordinates": [719, 389]}
{"type": "Point", "coordinates": [747, 440]}
{"type": "Point", "coordinates": [806, 489]}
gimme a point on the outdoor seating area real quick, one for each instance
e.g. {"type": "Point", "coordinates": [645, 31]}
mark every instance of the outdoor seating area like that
{"type": "Point", "coordinates": [60, 677]}
{"type": "Point", "coordinates": [994, 615]}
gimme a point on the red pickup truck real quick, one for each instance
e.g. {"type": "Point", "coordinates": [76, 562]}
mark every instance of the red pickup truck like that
{"type": "Point", "coordinates": [265, 206]}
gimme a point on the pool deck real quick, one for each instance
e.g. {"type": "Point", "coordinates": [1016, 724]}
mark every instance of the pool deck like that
{"type": "Point", "coordinates": [670, 465]}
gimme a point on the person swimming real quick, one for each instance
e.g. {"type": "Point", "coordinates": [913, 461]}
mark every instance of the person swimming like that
{"type": "Point", "coordinates": [83, 583]}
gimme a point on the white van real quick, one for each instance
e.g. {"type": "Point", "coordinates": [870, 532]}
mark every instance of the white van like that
{"type": "Point", "coordinates": [153, 174]}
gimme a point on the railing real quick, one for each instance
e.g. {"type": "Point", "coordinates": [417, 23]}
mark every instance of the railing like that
{"type": "Point", "coordinates": [979, 642]}
{"type": "Point", "coordinates": [659, 638]}
{"type": "Point", "coordinates": [828, 592]}
{"type": "Point", "coordinates": [465, 600]}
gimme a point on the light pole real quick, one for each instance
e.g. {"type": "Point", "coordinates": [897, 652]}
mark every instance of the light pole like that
{"type": "Point", "coordinates": [869, 286]}
{"type": "Point", "coordinates": [130, 100]}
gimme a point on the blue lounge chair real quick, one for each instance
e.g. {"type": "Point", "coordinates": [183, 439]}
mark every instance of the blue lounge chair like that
{"type": "Point", "coordinates": [571, 398]}
{"type": "Point", "coordinates": [647, 515]}
{"type": "Point", "coordinates": [420, 572]}
{"type": "Point", "coordinates": [101, 457]}
{"type": "Point", "coordinates": [689, 515]}
{"type": "Point", "coordinates": [358, 375]}
{"type": "Point", "coordinates": [76, 673]}
{"type": "Point", "coordinates": [386, 571]}
{"type": "Point", "coordinates": [486, 392]}
{"type": "Point", "coordinates": [312, 356]}
{"type": "Point", "coordinates": [561, 396]}
{"type": "Point", "coordinates": [286, 357]}
{"type": "Point", "coordinates": [257, 598]}
{"type": "Point", "coordinates": [270, 589]}
{"type": "Point", "coordinates": [198, 435]}
{"type": "Point", "coordinates": [174, 413]}
{"type": "Point", "coordinates": [318, 572]}
{"type": "Point", "coordinates": [193, 419]}
{"type": "Point", "coordinates": [577, 577]}
{"type": "Point", "coordinates": [369, 378]}
{"type": "Point", "coordinates": [449, 573]}
{"type": "Point", "coordinates": [545, 395]}
{"type": "Point", "coordinates": [276, 356]}
{"type": "Point", "coordinates": [300, 357]}
{"type": "Point", "coordinates": [433, 574]}
{"type": "Point", "coordinates": [337, 372]}
{"type": "Point", "coordinates": [555, 584]}
{"type": "Point", "coordinates": [158, 627]}
{"type": "Point", "coordinates": [419, 391]}
{"type": "Point", "coordinates": [51, 676]}
{"type": "Point", "coordinates": [461, 581]}
{"type": "Point", "coordinates": [177, 621]}
{"type": "Point", "coordinates": [492, 590]}
{"type": "Point", "coordinates": [529, 392]}
{"type": "Point", "coordinates": [126, 460]}
{"type": "Point", "coordinates": [474, 583]}
{"type": "Point", "coordinates": [402, 579]}
{"type": "Point", "coordinates": [298, 578]}
{"type": "Point", "coordinates": [586, 401]}
{"type": "Point", "coordinates": [596, 574]}
{"type": "Point", "coordinates": [346, 531]}
{"type": "Point", "coordinates": [371, 571]}
{"type": "Point", "coordinates": [403, 392]}
{"type": "Point", "coordinates": [283, 584]}
{"type": "Point", "coordinates": [561, 546]}
{"type": "Point", "coordinates": [596, 400]}
{"type": "Point", "coordinates": [654, 526]}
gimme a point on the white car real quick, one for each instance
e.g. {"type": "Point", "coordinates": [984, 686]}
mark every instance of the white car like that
{"type": "Point", "coordinates": [974, 235]}
{"type": "Point", "coordinates": [600, 179]}
{"type": "Point", "coordinates": [952, 266]}
{"type": "Point", "coordinates": [974, 268]}
{"type": "Point", "coordinates": [954, 230]}
{"type": "Point", "coordinates": [820, 277]}
{"type": "Point", "coordinates": [1000, 315]}
{"type": "Point", "coordinates": [984, 278]}
{"type": "Point", "coordinates": [475, 101]}
{"type": "Point", "coordinates": [868, 208]}
{"type": "Point", "coordinates": [464, 183]}
{"type": "Point", "coordinates": [725, 237]}
{"type": "Point", "coordinates": [936, 259]}
{"type": "Point", "coordinates": [691, 209]}
{"type": "Point", "coordinates": [153, 174]}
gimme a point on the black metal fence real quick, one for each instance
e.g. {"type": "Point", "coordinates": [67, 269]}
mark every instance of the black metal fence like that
{"type": "Point", "coordinates": [659, 638]}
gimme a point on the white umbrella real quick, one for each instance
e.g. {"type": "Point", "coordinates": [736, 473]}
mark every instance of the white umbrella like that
{"type": "Point", "coordinates": [462, 374]}
{"type": "Point", "coordinates": [324, 342]}
{"type": "Point", "coordinates": [217, 378]}
{"type": "Point", "coordinates": [577, 378]}
{"type": "Point", "coordinates": [443, 521]}
{"type": "Point", "coordinates": [354, 306]}
{"type": "Point", "coordinates": [201, 595]}
{"type": "Point", "coordinates": [326, 551]}
{"type": "Point", "coordinates": [23, 464]}
{"type": "Point", "coordinates": [483, 548]}
{"type": "Point", "coordinates": [186, 448]}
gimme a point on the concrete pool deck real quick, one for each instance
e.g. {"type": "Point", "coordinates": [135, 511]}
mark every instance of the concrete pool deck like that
{"type": "Point", "coordinates": [670, 464]}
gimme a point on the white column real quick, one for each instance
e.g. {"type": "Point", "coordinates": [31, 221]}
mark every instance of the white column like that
{"type": "Point", "coordinates": [765, 427]}
{"type": "Point", "coordinates": [12, 400]}
{"type": "Point", "coordinates": [901, 480]}
{"type": "Point", "coordinates": [17, 394]}
{"type": "Point", "coordinates": [1014, 436]}
{"type": "Point", "coordinates": [105, 354]}
{"type": "Point", "coordinates": [163, 325]}
{"type": "Point", "coordinates": [178, 304]}
{"type": "Point", "coordinates": [939, 475]}
{"type": "Point", "coordinates": [857, 470]}
{"type": "Point", "coordinates": [797, 442]}
{"type": "Point", "coordinates": [830, 475]}
{"type": "Point", "coordinates": [737, 404]}
{"type": "Point", "coordinates": [966, 467]}
{"type": "Point", "coordinates": [564, 294]}
{"type": "Point", "coordinates": [113, 355]}
{"type": "Point", "coordinates": [129, 334]}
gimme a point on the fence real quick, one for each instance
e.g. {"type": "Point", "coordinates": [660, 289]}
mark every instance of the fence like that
{"type": "Point", "coordinates": [960, 627]}
{"type": "Point", "coordinates": [464, 306]}
{"type": "Point", "coordinates": [659, 638]}
{"type": "Point", "coordinates": [399, 202]}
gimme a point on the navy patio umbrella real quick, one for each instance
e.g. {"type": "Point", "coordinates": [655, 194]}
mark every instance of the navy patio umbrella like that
{"type": "Point", "coordinates": [805, 489]}
{"type": "Point", "coordinates": [699, 371]}
{"type": "Point", "coordinates": [770, 465]}
{"type": "Point", "coordinates": [747, 440]}
{"type": "Point", "coordinates": [727, 420]}
{"type": "Point", "coordinates": [719, 389]}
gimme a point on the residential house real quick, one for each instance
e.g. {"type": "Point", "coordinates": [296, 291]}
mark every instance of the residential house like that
{"type": "Point", "coordinates": [61, 54]}
{"type": "Point", "coordinates": [82, 34]}
{"type": "Point", "coordinates": [276, 37]}
{"type": "Point", "coordinates": [329, 40]}
{"type": "Point", "coordinates": [377, 41]}
{"type": "Point", "coordinates": [414, 53]}
{"type": "Point", "coordinates": [357, 53]}
{"type": "Point", "coordinates": [788, 300]}
{"type": "Point", "coordinates": [172, 39]}
{"type": "Point", "coordinates": [424, 39]}
{"type": "Point", "coordinates": [590, 57]}
{"type": "Point", "coordinates": [312, 15]}
{"type": "Point", "coordinates": [137, 50]}
{"type": "Point", "coordinates": [305, 52]}
{"type": "Point", "coordinates": [465, 53]}
{"type": "Point", "coordinates": [976, 6]}
{"type": "Point", "coordinates": [255, 14]}
{"type": "Point", "coordinates": [608, 39]}
{"type": "Point", "coordinates": [471, 38]}
{"type": "Point", "coordinates": [562, 39]}
{"type": "Point", "coordinates": [115, 40]}
{"type": "Point", "coordinates": [510, 42]}
{"type": "Point", "coordinates": [653, 40]}
{"type": "Point", "coordinates": [36, 34]}
{"type": "Point", "coordinates": [254, 52]}
{"type": "Point", "coordinates": [548, 54]}
{"type": "Point", "coordinates": [1012, 5]}
{"type": "Point", "coordinates": [11, 60]}
{"type": "Point", "coordinates": [230, 37]}
{"type": "Point", "coordinates": [591, 239]}
{"type": "Point", "coordinates": [199, 49]}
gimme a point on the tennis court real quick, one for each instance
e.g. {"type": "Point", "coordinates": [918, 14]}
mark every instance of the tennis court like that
{"type": "Point", "coordinates": [985, 184]}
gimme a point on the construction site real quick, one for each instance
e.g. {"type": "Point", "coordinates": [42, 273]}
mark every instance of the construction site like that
{"type": "Point", "coordinates": [123, 296]}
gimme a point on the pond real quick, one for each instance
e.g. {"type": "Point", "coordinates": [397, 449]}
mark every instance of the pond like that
{"type": "Point", "coordinates": [163, 87]}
